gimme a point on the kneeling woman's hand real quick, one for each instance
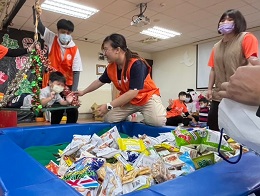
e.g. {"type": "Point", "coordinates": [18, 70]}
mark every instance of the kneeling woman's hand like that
{"type": "Point", "coordinates": [102, 110]}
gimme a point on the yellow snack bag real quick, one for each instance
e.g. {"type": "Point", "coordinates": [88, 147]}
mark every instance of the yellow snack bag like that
{"type": "Point", "coordinates": [136, 145]}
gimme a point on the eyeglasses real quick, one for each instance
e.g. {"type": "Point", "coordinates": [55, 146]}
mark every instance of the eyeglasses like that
{"type": "Point", "coordinates": [104, 50]}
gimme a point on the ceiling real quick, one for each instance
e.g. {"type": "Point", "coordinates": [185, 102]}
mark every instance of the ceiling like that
{"type": "Point", "coordinates": [195, 19]}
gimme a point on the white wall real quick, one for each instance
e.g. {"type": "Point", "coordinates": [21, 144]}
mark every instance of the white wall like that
{"type": "Point", "coordinates": [174, 70]}
{"type": "Point", "coordinates": [89, 55]}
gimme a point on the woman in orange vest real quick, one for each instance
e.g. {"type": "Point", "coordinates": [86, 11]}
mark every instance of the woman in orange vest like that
{"type": "Point", "coordinates": [131, 76]}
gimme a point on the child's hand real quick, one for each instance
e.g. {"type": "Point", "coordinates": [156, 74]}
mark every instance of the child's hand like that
{"type": "Point", "coordinates": [170, 103]}
{"type": "Point", "coordinates": [69, 98]}
{"type": "Point", "coordinates": [52, 95]}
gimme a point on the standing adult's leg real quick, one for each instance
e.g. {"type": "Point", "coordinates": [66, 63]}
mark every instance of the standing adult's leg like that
{"type": "Point", "coordinates": [213, 116]}
{"type": "Point", "coordinates": [56, 116]}
{"type": "Point", "coordinates": [154, 112]}
{"type": "Point", "coordinates": [72, 115]}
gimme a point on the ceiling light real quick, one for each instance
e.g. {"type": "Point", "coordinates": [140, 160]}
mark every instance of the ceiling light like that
{"type": "Point", "coordinates": [69, 8]}
{"type": "Point", "coordinates": [160, 33]}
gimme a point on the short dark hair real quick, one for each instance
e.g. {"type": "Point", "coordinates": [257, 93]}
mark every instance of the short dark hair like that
{"type": "Point", "coordinates": [204, 100]}
{"type": "Point", "coordinates": [182, 93]}
{"type": "Point", "coordinates": [239, 20]}
{"type": "Point", "coordinates": [65, 24]}
{"type": "Point", "coordinates": [189, 96]}
{"type": "Point", "coordinates": [57, 76]}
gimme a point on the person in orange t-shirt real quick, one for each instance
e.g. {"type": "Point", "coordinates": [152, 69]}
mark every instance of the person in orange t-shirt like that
{"type": "Point", "coordinates": [4, 51]}
{"type": "Point", "coordinates": [237, 48]}
{"type": "Point", "coordinates": [176, 109]}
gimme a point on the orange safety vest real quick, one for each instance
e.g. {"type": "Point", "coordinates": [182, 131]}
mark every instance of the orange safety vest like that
{"type": "Point", "coordinates": [64, 66]}
{"type": "Point", "coordinates": [144, 94]}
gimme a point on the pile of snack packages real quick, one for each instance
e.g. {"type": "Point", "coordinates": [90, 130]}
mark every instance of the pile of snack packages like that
{"type": "Point", "coordinates": [111, 165]}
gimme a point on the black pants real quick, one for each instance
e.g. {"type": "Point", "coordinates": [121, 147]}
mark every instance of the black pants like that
{"type": "Point", "coordinates": [72, 115]}
{"type": "Point", "coordinates": [213, 116]}
{"type": "Point", "coordinates": [174, 121]}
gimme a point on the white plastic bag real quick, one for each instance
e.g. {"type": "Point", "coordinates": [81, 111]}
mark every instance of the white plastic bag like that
{"type": "Point", "coordinates": [240, 122]}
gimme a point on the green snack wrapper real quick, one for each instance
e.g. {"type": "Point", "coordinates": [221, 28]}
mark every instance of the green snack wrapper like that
{"type": "Point", "coordinates": [210, 140]}
{"type": "Point", "coordinates": [184, 137]}
{"type": "Point", "coordinates": [204, 160]}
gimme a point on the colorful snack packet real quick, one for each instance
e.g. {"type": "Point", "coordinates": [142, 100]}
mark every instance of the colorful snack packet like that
{"type": "Point", "coordinates": [173, 160]}
{"type": "Point", "coordinates": [119, 169]}
{"type": "Point", "coordinates": [189, 166]}
{"type": "Point", "coordinates": [85, 182]}
{"type": "Point", "coordinates": [121, 159]}
{"type": "Point", "coordinates": [131, 145]}
{"type": "Point", "coordinates": [101, 172]}
{"type": "Point", "coordinates": [149, 141]}
{"type": "Point", "coordinates": [107, 152]}
{"type": "Point", "coordinates": [111, 134]}
{"type": "Point", "coordinates": [184, 137]}
{"type": "Point", "coordinates": [192, 152]}
{"type": "Point", "coordinates": [85, 166]}
{"type": "Point", "coordinates": [144, 161]}
{"type": "Point", "coordinates": [211, 139]}
{"type": "Point", "coordinates": [168, 135]}
{"type": "Point", "coordinates": [204, 160]}
{"type": "Point", "coordinates": [153, 153]}
{"type": "Point", "coordinates": [77, 142]}
{"type": "Point", "coordinates": [53, 167]}
{"type": "Point", "coordinates": [160, 173]}
{"type": "Point", "coordinates": [130, 156]}
{"type": "Point", "coordinates": [111, 185]}
{"type": "Point", "coordinates": [137, 183]}
{"type": "Point", "coordinates": [167, 146]}
{"type": "Point", "coordinates": [130, 176]}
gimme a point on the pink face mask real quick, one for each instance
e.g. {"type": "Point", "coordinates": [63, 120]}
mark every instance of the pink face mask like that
{"type": "Point", "coordinates": [226, 28]}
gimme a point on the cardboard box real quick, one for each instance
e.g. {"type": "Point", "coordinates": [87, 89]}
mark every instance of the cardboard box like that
{"type": "Point", "coordinates": [94, 113]}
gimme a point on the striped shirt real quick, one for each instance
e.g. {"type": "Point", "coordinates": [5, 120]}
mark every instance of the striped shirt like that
{"type": "Point", "coordinates": [203, 114]}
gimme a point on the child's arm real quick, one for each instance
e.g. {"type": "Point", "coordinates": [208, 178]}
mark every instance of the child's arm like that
{"type": "Point", "coordinates": [45, 101]}
{"type": "Point", "coordinates": [68, 100]}
{"type": "Point", "coordinates": [171, 102]}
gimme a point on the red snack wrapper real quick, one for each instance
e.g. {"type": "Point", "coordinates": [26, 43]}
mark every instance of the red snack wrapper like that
{"type": "Point", "coordinates": [53, 167]}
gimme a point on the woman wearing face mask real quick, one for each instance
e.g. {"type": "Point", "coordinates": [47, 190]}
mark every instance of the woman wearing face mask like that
{"type": "Point", "coordinates": [130, 74]}
{"type": "Point", "coordinates": [175, 111]}
{"type": "Point", "coordinates": [51, 95]}
{"type": "Point", "coordinates": [236, 48]}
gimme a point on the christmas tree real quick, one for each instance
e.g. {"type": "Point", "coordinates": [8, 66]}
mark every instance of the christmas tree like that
{"type": "Point", "coordinates": [25, 87]}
